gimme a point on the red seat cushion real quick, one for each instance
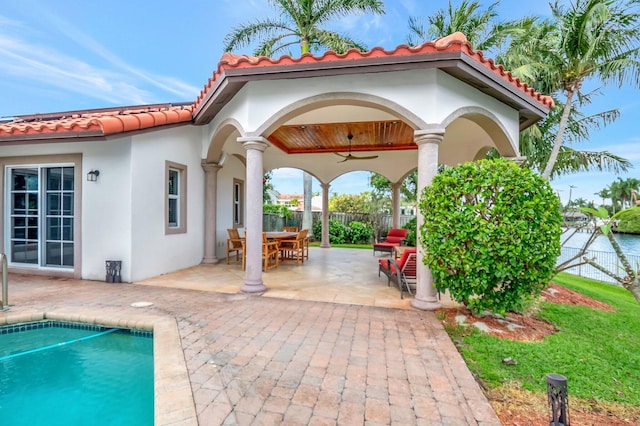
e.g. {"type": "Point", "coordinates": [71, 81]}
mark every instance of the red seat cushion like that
{"type": "Point", "coordinates": [385, 264]}
{"type": "Point", "coordinates": [393, 239]}
{"type": "Point", "coordinates": [405, 256]}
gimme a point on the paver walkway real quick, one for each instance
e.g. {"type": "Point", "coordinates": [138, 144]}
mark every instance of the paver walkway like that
{"type": "Point", "coordinates": [255, 360]}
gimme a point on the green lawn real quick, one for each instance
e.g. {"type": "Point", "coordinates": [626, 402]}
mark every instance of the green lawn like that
{"type": "Point", "coordinates": [598, 351]}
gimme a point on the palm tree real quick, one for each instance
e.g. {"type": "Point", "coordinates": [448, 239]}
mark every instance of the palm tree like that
{"type": "Point", "coordinates": [604, 194]}
{"type": "Point", "coordinates": [627, 186]}
{"type": "Point", "coordinates": [593, 39]}
{"type": "Point", "coordinates": [533, 56]}
{"type": "Point", "coordinates": [300, 23]}
{"type": "Point", "coordinates": [527, 37]}
{"type": "Point", "coordinates": [615, 192]}
{"type": "Point", "coordinates": [536, 142]}
{"type": "Point", "coordinates": [479, 26]}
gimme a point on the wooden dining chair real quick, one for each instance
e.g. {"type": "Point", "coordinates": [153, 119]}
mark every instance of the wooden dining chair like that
{"type": "Point", "coordinates": [235, 244]}
{"type": "Point", "coordinates": [269, 253]}
{"type": "Point", "coordinates": [270, 258]}
{"type": "Point", "coordinates": [290, 229]}
{"type": "Point", "coordinates": [293, 249]}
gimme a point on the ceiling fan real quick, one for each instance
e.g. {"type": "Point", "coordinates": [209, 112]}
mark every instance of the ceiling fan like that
{"type": "Point", "coordinates": [353, 157]}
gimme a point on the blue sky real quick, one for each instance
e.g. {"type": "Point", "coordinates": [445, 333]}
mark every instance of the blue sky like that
{"type": "Point", "coordinates": [70, 55]}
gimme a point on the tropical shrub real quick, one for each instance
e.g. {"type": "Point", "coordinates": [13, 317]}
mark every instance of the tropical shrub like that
{"type": "Point", "coordinates": [280, 209]}
{"type": "Point", "coordinates": [360, 233]}
{"type": "Point", "coordinates": [629, 221]}
{"type": "Point", "coordinates": [356, 232]}
{"type": "Point", "coordinates": [338, 233]}
{"type": "Point", "coordinates": [411, 228]}
{"type": "Point", "coordinates": [491, 234]}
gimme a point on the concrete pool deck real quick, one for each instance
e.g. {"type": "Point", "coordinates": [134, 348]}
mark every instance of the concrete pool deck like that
{"type": "Point", "coordinates": [261, 360]}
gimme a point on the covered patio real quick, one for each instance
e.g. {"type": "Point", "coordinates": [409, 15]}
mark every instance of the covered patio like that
{"type": "Point", "coordinates": [392, 111]}
{"type": "Point", "coordinates": [339, 275]}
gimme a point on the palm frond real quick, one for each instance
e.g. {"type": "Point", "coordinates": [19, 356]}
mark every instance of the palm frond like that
{"type": "Point", "coordinates": [334, 41]}
{"type": "Point", "coordinates": [243, 35]}
{"type": "Point", "coordinates": [573, 161]}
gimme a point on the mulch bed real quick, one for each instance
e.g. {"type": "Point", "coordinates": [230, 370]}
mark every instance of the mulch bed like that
{"type": "Point", "coordinates": [523, 327]}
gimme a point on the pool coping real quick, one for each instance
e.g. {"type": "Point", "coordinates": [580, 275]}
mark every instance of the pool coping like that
{"type": "Point", "coordinates": [173, 399]}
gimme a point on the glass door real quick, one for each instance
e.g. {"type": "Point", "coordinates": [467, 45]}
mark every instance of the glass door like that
{"type": "Point", "coordinates": [41, 217]}
{"type": "Point", "coordinates": [58, 247]}
{"type": "Point", "coordinates": [25, 214]}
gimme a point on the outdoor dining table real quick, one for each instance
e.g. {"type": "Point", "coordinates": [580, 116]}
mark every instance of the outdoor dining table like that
{"type": "Point", "coordinates": [280, 235]}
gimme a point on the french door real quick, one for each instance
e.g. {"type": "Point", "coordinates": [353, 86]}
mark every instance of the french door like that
{"type": "Point", "coordinates": [41, 216]}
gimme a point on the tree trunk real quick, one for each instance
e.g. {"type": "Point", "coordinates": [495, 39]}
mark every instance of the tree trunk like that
{"type": "Point", "coordinates": [559, 136]}
{"type": "Point", "coordinates": [634, 287]}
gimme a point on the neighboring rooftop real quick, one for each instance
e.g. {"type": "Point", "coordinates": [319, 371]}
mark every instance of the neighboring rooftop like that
{"type": "Point", "coordinates": [96, 122]}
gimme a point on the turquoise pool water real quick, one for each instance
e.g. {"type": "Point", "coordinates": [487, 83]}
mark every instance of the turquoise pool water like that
{"type": "Point", "coordinates": [103, 380]}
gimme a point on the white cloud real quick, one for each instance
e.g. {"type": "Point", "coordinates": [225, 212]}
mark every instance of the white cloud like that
{"type": "Point", "coordinates": [167, 84]}
{"type": "Point", "coordinates": [410, 5]}
{"type": "Point", "coordinates": [286, 173]}
{"type": "Point", "coordinates": [7, 22]}
{"type": "Point", "coordinates": [37, 64]}
{"type": "Point", "coordinates": [30, 62]}
{"type": "Point", "coordinates": [629, 149]}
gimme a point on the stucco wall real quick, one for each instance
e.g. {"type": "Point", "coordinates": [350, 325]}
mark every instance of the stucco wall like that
{"type": "Point", "coordinates": [153, 251]}
{"type": "Point", "coordinates": [105, 213]}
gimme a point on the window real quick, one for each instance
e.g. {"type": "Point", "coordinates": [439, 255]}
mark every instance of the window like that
{"type": "Point", "coordinates": [176, 198]}
{"type": "Point", "coordinates": [41, 215]}
{"type": "Point", "coordinates": [238, 203]}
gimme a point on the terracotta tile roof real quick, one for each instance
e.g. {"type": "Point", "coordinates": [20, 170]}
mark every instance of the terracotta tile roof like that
{"type": "Point", "coordinates": [456, 42]}
{"type": "Point", "coordinates": [119, 120]}
{"type": "Point", "coordinates": [95, 122]}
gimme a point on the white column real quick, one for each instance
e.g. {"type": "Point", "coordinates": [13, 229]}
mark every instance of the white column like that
{"type": "Point", "coordinates": [395, 202]}
{"type": "Point", "coordinates": [210, 209]}
{"type": "Point", "coordinates": [427, 140]}
{"type": "Point", "coordinates": [307, 218]}
{"type": "Point", "coordinates": [325, 216]}
{"type": "Point", "coordinates": [255, 147]}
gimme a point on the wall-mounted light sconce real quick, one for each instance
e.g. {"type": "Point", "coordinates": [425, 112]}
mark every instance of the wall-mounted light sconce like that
{"type": "Point", "coordinates": [92, 176]}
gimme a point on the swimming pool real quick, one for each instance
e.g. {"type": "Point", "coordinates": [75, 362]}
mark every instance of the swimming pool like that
{"type": "Point", "coordinates": [101, 380]}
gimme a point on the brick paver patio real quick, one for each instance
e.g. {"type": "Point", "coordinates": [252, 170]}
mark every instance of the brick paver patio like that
{"type": "Point", "coordinates": [255, 360]}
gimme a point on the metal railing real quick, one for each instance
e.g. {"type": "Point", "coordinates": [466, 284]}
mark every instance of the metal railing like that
{"type": "Point", "coordinates": [4, 303]}
{"type": "Point", "coordinates": [603, 258]}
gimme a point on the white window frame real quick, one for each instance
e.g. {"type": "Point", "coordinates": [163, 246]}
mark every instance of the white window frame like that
{"type": "Point", "coordinates": [181, 226]}
{"type": "Point", "coordinates": [238, 203]}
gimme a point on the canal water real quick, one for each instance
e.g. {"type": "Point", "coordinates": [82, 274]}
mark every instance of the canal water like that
{"type": "Point", "coordinates": [603, 253]}
{"type": "Point", "coordinates": [630, 244]}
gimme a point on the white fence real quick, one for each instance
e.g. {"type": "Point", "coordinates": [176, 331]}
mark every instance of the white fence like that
{"type": "Point", "coordinates": [609, 260]}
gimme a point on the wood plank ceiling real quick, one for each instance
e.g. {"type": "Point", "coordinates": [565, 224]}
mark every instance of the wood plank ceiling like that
{"type": "Point", "coordinates": [333, 137]}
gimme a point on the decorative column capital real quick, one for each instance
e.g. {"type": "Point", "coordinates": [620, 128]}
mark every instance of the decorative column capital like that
{"type": "Point", "coordinates": [254, 142]}
{"type": "Point", "coordinates": [433, 135]}
{"type": "Point", "coordinates": [325, 185]}
{"type": "Point", "coordinates": [210, 167]}
{"type": "Point", "coordinates": [518, 160]}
